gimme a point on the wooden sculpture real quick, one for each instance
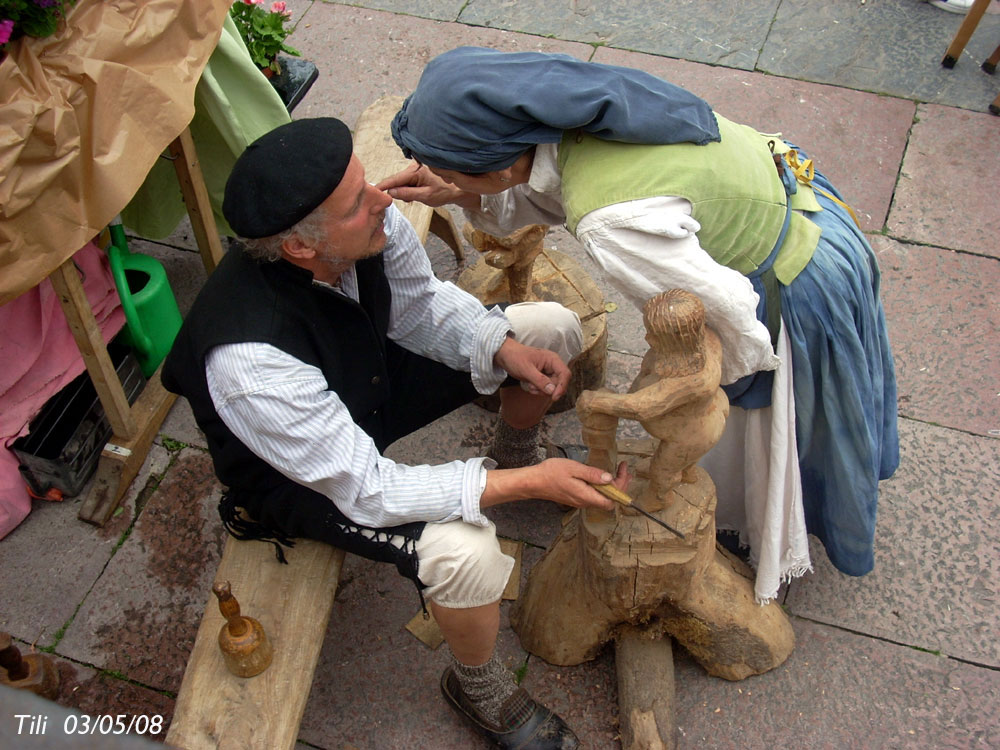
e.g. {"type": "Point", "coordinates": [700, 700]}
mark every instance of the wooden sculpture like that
{"type": "Point", "coordinates": [619, 576]}
{"type": "Point", "coordinates": [518, 268]}
{"type": "Point", "coordinates": [35, 673]}
{"type": "Point", "coordinates": [245, 647]}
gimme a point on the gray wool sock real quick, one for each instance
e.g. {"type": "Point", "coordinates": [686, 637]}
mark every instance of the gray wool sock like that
{"type": "Point", "coordinates": [487, 686]}
{"type": "Point", "coordinates": [514, 449]}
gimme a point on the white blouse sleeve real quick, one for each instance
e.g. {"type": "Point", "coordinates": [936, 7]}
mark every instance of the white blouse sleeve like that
{"type": "Point", "coordinates": [649, 246]}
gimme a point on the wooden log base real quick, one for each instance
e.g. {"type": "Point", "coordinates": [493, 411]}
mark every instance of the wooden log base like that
{"type": "Point", "coordinates": [645, 666]}
{"type": "Point", "coordinates": [606, 570]}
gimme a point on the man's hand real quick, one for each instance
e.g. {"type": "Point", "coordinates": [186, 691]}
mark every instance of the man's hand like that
{"type": "Point", "coordinates": [539, 370]}
{"type": "Point", "coordinates": [558, 479]}
{"type": "Point", "coordinates": [417, 183]}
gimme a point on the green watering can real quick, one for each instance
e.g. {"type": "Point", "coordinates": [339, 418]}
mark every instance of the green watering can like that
{"type": "Point", "coordinates": [151, 315]}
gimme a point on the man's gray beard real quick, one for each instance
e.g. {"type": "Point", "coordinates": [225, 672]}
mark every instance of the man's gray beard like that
{"type": "Point", "coordinates": [336, 264]}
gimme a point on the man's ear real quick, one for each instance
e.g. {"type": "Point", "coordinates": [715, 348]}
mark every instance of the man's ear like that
{"type": "Point", "coordinates": [295, 248]}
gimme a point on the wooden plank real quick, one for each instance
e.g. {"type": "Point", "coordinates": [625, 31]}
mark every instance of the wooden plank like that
{"type": "Point", "coordinates": [381, 157]}
{"type": "Point", "coordinates": [122, 457]}
{"type": "Point", "coordinates": [513, 548]}
{"type": "Point", "coordinates": [215, 708]}
{"type": "Point", "coordinates": [426, 629]}
{"type": "Point", "coordinates": [66, 282]}
{"type": "Point", "coordinates": [199, 207]}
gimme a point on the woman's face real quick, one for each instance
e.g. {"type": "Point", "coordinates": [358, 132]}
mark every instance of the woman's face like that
{"type": "Point", "coordinates": [487, 183]}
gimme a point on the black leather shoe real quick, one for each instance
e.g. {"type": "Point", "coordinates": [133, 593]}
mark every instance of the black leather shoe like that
{"type": "Point", "coordinates": [525, 725]}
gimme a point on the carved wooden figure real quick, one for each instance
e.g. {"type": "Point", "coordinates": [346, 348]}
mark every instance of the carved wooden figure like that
{"type": "Point", "coordinates": [35, 673]}
{"type": "Point", "coordinates": [514, 254]}
{"type": "Point", "coordinates": [245, 646]}
{"type": "Point", "coordinates": [518, 268]}
{"type": "Point", "coordinates": [619, 576]}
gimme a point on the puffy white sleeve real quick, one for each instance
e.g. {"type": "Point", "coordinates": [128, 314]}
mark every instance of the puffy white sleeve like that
{"type": "Point", "coordinates": [649, 246]}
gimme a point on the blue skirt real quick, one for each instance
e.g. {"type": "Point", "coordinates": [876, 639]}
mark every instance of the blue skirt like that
{"type": "Point", "coordinates": [845, 386]}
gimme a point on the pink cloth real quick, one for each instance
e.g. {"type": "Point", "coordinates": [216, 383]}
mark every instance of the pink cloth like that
{"type": "Point", "coordinates": [38, 356]}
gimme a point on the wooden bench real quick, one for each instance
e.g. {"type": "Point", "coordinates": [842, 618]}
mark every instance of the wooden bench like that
{"type": "Point", "coordinates": [215, 708]}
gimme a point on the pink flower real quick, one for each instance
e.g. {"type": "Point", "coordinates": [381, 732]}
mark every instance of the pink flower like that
{"type": "Point", "coordinates": [278, 7]}
{"type": "Point", "coordinates": [6, 29]}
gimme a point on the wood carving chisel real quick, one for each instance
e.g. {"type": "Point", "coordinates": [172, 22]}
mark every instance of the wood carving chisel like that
{"type": "Point", "coordinates": [612, 492]}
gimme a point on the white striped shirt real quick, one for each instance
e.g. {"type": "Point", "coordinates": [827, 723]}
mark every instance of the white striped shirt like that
{"type": "Point", "coordinates": [283, 410]}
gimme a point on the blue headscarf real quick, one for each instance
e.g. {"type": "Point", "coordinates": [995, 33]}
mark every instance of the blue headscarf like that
{"type": "Point", "coordinates": [477, 110]}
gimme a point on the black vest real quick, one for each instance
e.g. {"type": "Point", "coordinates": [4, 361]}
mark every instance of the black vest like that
{"type": "Point", "coordinates": [277, 304]}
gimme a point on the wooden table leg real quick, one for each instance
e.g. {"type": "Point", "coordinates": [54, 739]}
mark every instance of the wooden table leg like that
{"type": "Point", "coordinates": [964, 33]}
{"type": "Point", "coordinates": [199, 207]}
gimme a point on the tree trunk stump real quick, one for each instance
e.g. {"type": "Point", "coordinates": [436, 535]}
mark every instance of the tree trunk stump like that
{"type": "Point", "coordinates": [611, 575]}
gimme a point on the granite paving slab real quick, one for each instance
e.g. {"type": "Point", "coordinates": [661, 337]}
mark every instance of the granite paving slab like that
{"type": "Point", "coordinates": [947, 186]}
{"type": "Point", "coordinates": [376, 684]}
{"type": "Point", "coordinates": [438, 10]}
{"type": "Point", "coordinates": [840, 690]}
{"type": "Point", "coordinates": [888, 47]}
{"type": "Point", "coordinates": [936, 582]}
{"type": "Point", "coordinates": [141, 617]}
{"type": "Point", "coordinates": [365, 54]}
{"type": "Point", "coordinates": [85, 713]}
{"type": "Point", "coordinates": [855, 138]}
{"type": "Point", "coordinates": [52, 559]}
{"type": "Point", "coordinates": [96, 693]}
{"type": "Point", "coordinates": [944, 328]}
{"type": "Point", "coordinates": [730, 34]}
{"type": "Point", "coordinates": [180, 427]}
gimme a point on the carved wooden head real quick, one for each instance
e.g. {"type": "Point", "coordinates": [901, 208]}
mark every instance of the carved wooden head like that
{"type": "Point", "coordinates": [675, 329]}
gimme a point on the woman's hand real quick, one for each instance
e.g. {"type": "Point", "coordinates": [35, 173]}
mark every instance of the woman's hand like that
{"type": "Point", "coordinates": [418, 183]}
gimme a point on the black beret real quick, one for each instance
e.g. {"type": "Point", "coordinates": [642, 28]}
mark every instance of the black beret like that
{"type": "Point", "coordinates": [285, 174]}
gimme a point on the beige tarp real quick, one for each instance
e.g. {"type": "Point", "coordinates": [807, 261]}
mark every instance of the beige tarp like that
{"type": "Point", "coordinates": [84, 115]}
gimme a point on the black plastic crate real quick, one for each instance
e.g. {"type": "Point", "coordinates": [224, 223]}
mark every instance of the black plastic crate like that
{"type": "Point", "coordinates": [66, 437]}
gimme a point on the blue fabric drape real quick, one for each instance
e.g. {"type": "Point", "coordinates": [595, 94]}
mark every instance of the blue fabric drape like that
{"type": "Point", "coordinates": [477, 110]}
{"type": "Point", "coordinates": [845, 386]}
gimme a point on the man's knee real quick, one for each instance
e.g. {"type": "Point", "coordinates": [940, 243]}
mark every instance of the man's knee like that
{"type": "Point", "coordinates": [547, 325]}
{"type": "Point", "coordinates": [461, 564]}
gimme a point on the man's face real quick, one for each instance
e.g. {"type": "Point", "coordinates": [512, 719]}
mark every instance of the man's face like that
{"type": "Point", "coordinates": [354, 213]}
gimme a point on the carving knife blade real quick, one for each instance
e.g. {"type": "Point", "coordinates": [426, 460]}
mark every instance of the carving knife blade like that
{"type": "Point", "coordinates": [612, 492]}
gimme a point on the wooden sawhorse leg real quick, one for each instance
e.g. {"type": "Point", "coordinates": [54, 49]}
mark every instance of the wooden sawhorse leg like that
{"type": "Point", "coordinates": [134, 427]}
{"type": "Point", "coordinates": [964, 33]}
{"type": "Point", "coordinates": [199, 207]}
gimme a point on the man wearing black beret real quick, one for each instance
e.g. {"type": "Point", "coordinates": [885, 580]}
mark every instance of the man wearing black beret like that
{"type": "Point", "coordinates": [326, 338]}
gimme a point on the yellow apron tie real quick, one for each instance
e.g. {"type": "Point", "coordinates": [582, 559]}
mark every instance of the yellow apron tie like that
{"type": "Point", "coordinates": [804, 172]}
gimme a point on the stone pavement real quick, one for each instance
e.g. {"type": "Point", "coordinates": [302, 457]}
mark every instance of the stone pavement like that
{"type": "Point", "coordinates": [905, 657]}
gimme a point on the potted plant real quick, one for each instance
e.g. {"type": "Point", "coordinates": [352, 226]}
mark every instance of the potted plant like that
{"type": "Point", "coordinates": [263, 31]}
{"type": "Point", "coordinates": [38, 18]}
